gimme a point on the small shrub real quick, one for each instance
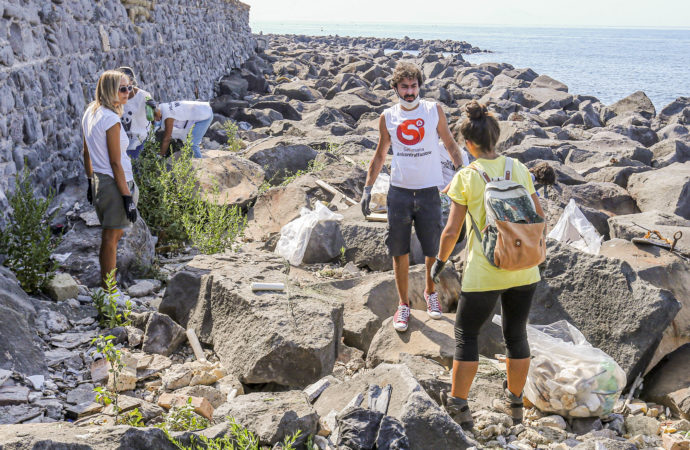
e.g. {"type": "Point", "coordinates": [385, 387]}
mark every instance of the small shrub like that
{"type": "Point", "coordinates": [105, 301]}
{"type": "Point", "coordinates": [171, 204]}
{"type": "Point", "coordinates": [133, 418]}
{"type": "Point", "coordinates": [104, 396]}
{"type": "Point", "coordinates": [237, 438]}
{"type": "Point", "coordinates": [183, 418]}
{"type": "Point", "coordinates": [27, 240]}
{"type": "Point", "coordinates": [233, 144]}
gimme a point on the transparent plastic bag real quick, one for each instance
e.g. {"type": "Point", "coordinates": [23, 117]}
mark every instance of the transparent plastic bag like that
{"type": "Point", "coordinates": [379, 193]}
{"type": "Point", "coordinates": [567, 375]}
{"type": "Point", "coordinates": [574, 229]}
{"type": "Point", "coordinates": [294, 236]}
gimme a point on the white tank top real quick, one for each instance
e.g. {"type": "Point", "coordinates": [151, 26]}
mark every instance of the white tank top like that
{"type": "Point", "coordinates": [416, 151]}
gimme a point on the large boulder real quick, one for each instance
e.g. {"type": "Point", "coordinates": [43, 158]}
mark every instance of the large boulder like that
{"type": "Point", "coordinates": [66, 436]}
{"type": "Point", "coordinates": [20, 347]}
{"type": "Point", "coordinates": [670, 376]}
{"type": "Point", "coordinates": [636, 225]}
{"type": "Point", "coordinates": [544, 98]}
{"type": "Point", "coordinates": [670, 151]}
{"type": "Point", "coordinates": [353, 105]}
{"type": "Point", "coordinates": [275, 208]}
{"type": "Point", "coordinates": [663, 270]}
{"type": "Point", "coordinates": [545, 81]}
{"type": "Point", "coordinates": [678, 111]}
{"type": "Point", "coordinates": [427, 337]}
{"type": "Point", "coordinates": [607, 301]}
{"type": "Point", "coordinates": [365, 242]}
{"type": "Point", "coordinates": [280, 158]}
{"type": "Point", "coordinates": [271, 416]}
{"type": "Point", "coordinates": [83, 242]}
{"type": "Point", "coordinates": [637, 102]}
{"type": "Point", "coordinates": [667, 188]}
{"type": "Point", "coordinates": [371, 299]}
{"type": "Point", "coordinates": [426, 424]}
{"type": "Point", "coordinates": [238, 179]}
{"type": "Point", "coordinates": [607, 197]}
{"type": "Point", "coordinates": [285, 337]}
{"type": "Point", "coordinates": [514, 132]}
{"type": "Point", "coordinates": [297, 90]}
{"type": "Point", "coordinates": [603, 150]}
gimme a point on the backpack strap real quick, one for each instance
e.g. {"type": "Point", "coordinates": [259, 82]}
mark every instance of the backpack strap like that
{"type": "Point", "coordinates": [484, 176]}
{"type": "Point", "coordinates": [508, 171]}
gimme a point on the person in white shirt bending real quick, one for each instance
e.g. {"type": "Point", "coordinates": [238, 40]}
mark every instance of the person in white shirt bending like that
{"type": "Point", "coordinates": [135, 118]}
{"type": "Point", "coordinates": [181, 117]}
{"type": "Point", "coordinates": [108, 168]}
{"type": "Point", "coordinates": [413, 127]}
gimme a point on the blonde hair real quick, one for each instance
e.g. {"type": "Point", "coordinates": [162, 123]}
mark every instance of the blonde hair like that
{"type": "Point", "coordinates": [107, 92]}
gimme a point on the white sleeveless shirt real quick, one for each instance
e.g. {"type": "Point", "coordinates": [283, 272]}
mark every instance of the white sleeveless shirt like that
{"type": "Point", "coordinates": [416, 151]}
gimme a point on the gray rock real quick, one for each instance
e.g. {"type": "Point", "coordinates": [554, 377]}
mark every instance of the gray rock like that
{"type": "Point", "coordinates": [279, 158]}
{"type": "Point", "coordinates": [601, 196]}
{"type": "Point", "coordinates": [271, 416]}
{"type": "Point", "coordinates": [296, 90]}
{"type": "Point", "coordinates": [639, 424]}
{"type": "Point", "coordinates": [678, 111]}
{"type": "Point", "coordinates": [10, 415]}
{"type": "Point", "coordinates": [162, 335]}
{"type": "Point", "coordinates": [642, 134]}
{"type": "Point", "coordinates": [136, 248]}
{"type": "Point", "coordinates": [667, 188]}
{"type": "Point", "coordinates": [630, 314]}
{"type": "Point", "coordinates": [608, 444]}
{"type": "Point", "coordinates": [618, 174]}
{"type": "Point", "coordinates": [670, 151]}
{"type": "Point", "coordinates": [368, 301]}
{"type": "Point", "coordinates": [365, 242]}
{"type": "Point", "coordinates": [13, 395]}
{"type": "Point", "coordinates": [637, 102]}
{"type": "Point", "coordinates": [668, 376]}
{"type": "Point", "coordinates": [19, 346]}
{"type": "Point", "coordinates": [514, 132]}
{"type": "Point", "coordinates": [181, 295]}
{"type": "Point", "coordinates": [289, 338]}
{"type": "Point", "coordinates": [603, 150]}
{"type": "Point", "coordinates": [426, 424]}
{"type": "Point", "coordinates": [545, 81]}
{"type": "Point", "coordinates": [353, 105]}
{"type": "Point", "coordinates": [70, 437]}
{"type": "Point", "coordinates": [214, 396]}
{"type": "Point", "coordinates": [82, 394]}
{"type": "Point", "coordinates": [62, 286]}
{"type": "Point", "coordinates": [141, 289]}
{"type": "Point", "coordinates": [237, 179]}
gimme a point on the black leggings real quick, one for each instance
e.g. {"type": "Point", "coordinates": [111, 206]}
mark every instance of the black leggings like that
{"type": "Point", "coordinates": [476, 307]}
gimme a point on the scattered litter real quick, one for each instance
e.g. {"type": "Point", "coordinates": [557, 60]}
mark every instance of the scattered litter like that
{"type": "Point", "coordinates": [268, 286]}
{"type": "Point", "coordinates": [61, 257]}
{"type": "Point", "coordinates": [294, 236]}
{"type": "Point", "coordinates": [567, 375]}
{"type": "Point", "coordinates": [379, 193]}
{"type": "Point", "coordinates": [196, 346]}
{"type": "Point", "coordinates": [377, 217]}
{"type": "Point", "coordinates": [574, 229]}
{"type": "Point", "coordinates": [336, 193]}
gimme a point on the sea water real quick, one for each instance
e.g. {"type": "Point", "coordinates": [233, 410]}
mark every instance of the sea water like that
{"type": "Point", "coordinates": [608, 63]}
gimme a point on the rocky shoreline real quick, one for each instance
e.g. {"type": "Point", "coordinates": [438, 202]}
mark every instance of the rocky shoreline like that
{"type": "Point", "coordinates": [293, 360]}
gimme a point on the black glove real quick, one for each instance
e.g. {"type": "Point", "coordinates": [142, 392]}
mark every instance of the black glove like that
{"type": "Point", "coordinates": [366, 199]}
{"type": "Point", "coordinates": [152, 103]}
{"type": "Point", "coordinates": [89, 193]}
{"type": "Point", "coordinates": [436, 270]}
{"type": "Point", "coordinates": [130, 208]}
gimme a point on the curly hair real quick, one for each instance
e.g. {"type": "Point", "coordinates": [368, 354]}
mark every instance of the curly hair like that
{"type": "Point", "coordinates": [406, 70]}
{"type": "Point", "coordinates": [544, 173]}
{"type": "Point", "coordinates": [480, 126]}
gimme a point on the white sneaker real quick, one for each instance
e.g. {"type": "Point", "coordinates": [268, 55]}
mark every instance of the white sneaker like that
{"type": "Point", "coordinates": [401, 318]}
{"type": "Point", "coordinates": [433, 308]}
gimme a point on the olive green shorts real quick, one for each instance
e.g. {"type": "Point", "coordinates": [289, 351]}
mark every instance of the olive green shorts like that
{"type": "Point", "coordinates": [110, 208]}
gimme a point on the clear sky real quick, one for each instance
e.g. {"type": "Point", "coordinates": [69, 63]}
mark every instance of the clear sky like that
{"type": "Point", "coordinates": [579, 13]}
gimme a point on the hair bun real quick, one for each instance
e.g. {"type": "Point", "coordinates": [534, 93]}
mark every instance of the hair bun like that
{"type": "Point", "coordinates": [475, 110]}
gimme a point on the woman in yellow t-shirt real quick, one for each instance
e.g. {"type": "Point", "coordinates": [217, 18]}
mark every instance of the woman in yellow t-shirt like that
{"type": "Point", "coordinates": [482, 283]}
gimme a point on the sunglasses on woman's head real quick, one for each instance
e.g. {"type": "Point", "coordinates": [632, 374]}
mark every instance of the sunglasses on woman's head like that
{"type": "Point", "coordinates": [124, 89]}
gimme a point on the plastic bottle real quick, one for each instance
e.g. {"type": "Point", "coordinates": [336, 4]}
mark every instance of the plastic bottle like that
{"type": "Point", "coordinates": [149, 110]}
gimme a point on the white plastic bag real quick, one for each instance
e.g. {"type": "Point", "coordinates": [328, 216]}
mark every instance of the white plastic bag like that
{"type": "Point", "coordinates": [294, 236]}
{"type": "Point", "coordinates": [567, 375]}
{"type": "Point", "coordinates": [574, 229]}
{"type": "Point", "coordinates": [379, 193]}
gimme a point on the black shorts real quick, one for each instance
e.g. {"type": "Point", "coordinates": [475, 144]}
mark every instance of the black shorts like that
{"type": "Point", "coordinates": [421, 206]}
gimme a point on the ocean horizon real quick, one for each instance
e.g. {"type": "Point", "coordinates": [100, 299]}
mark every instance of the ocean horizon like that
{"type": "Point", "coordinates": [609, 63]}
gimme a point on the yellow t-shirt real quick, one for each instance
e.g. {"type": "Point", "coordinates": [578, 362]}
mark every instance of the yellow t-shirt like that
{"type": "Point", "coordinates": [467, 188]}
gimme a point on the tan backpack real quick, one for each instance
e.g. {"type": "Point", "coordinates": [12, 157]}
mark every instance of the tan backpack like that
{"type": "Point", "coordinates": [513, 238]}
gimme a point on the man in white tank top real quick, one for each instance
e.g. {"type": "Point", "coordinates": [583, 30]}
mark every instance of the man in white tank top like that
{"type": "Point", "coordinates": [413, 128]}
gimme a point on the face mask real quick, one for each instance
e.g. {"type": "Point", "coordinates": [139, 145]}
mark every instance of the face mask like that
{"type": "Point", "coordinates": [408, 105]}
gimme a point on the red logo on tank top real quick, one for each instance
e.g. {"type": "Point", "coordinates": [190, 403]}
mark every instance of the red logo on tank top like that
{"type": "Point", "coordinates": [411, 132]}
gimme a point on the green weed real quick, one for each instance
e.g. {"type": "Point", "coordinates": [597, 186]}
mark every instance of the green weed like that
{"type": "Point", "coordinates": [234, 144]}
{"type": "Point", "coordinates": [105, 301]}
{"type": "Point", "coordinates": [183, 418]}
{"type": "Point", "coordinates": [27, 240]}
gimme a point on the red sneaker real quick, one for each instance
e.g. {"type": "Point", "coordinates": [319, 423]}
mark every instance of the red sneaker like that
{"type": "Point", "coordinates": [401, 317]}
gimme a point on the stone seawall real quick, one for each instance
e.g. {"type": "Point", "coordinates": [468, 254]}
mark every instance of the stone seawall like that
{"type": "Point", "coordinates": [52, 52]}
